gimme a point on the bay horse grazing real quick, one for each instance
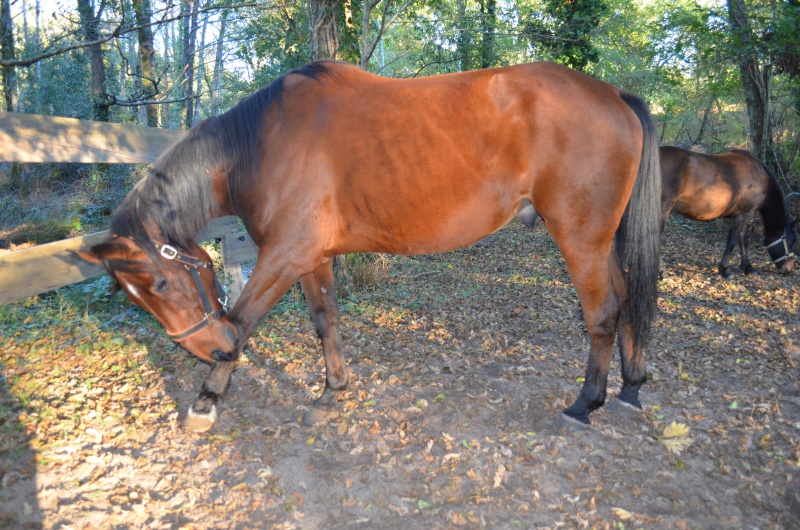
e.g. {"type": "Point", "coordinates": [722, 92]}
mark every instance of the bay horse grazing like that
{"type": "Point", "coordinates": [330, 159]}
{"type": "Point", "coordinates": [732, 185]}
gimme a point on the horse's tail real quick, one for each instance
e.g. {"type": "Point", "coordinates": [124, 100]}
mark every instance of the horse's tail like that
{"type": "Point", "coordinates": [638, 238]}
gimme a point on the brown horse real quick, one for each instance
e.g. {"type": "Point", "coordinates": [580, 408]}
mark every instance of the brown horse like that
{"type": "Point", "coordinates": [330, 159]}
{"type": "Point", "coordinates": [732, 185]}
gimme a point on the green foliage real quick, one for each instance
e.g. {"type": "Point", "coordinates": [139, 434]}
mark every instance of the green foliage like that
{"type": "Point", "coordinates": [565, 30]}
{"type": "Point", "coordinates": [678, 54]}
{"type": "Point", "coordinates": [279, 41]}
{"type": "Point", "coordinates": [363, 272]}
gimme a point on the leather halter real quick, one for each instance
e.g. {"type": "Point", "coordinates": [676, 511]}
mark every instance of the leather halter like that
{"type": "Point", "coordinates": [193, 265]}
{"type": "Point", "coordinates": [786, 252]}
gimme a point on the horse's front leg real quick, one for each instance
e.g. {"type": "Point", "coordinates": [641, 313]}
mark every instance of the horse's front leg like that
{"type": "Point", "coordinates": [320, 292]}
{"type": "Point", "coordinates": [271, 278]}
{"type": "Point", "coordinates": [733, 237]}
{"type": "Point", "coordinates": [747, 268]}
{"type": "Point", "coordinates": [203, 413]}
{"type": "Point", "coordinates": [736, 236]}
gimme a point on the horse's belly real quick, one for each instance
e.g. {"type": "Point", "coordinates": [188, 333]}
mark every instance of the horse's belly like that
{"type": "Point", "coordinates": [422, 231]}
{"type": "Point", "coordinates": [704, 206]}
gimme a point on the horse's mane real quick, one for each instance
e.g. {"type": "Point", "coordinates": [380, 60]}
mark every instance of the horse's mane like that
{"type": "Point", "coordinates": [774, 213]}
{"type": "Point", "coordinates": [177, 197]}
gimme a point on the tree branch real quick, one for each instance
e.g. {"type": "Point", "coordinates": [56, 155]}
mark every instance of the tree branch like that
{"type": "Point", "coordinates": [119, 31]}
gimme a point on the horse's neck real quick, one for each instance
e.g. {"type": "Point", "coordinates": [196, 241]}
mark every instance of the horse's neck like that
{"type": "Point", "coordinates": [773, 211]}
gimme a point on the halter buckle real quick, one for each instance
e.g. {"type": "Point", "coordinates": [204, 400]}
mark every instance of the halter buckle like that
{"type": "Point", "coordinates": [168, 252]}
{"type": "Point", "coordinates": [212, 317]}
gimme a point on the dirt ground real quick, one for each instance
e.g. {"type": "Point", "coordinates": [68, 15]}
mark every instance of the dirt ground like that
{"type": "Point", "coordinates": [461, 365]}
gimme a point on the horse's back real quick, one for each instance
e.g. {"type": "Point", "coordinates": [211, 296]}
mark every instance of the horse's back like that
{"type": "Point", "coordinates": [431, 164]}
{"type": "Point", "coordinates": [705, 187]}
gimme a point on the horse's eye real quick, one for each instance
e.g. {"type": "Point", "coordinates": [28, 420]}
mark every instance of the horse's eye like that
{"type": "Point", "coordinates": [161, 285]}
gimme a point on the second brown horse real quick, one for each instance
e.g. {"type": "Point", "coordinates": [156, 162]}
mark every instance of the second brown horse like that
{"type": "Point", "coordinates": [330, 159]}
{"type": "Point", "coordinates": [733, 185]}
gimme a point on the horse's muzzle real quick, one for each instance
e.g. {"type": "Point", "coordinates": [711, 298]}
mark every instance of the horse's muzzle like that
{"type": "Point", "coordinates": [225, 356]}
{"type": "Point", "coordinates": [219, 355]}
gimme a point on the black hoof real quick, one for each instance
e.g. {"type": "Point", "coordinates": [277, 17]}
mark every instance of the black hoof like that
{"type": "Point", "coordinates": [572, 423]}
{"type": "Point", "coordinates": [618, 406]}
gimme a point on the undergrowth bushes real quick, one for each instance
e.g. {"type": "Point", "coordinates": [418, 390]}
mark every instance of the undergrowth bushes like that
{"type": "Point", "coordinates": [40, 203]}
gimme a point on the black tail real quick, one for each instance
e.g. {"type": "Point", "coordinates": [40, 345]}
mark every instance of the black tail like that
{"type": "Point", "coordinates": [638, 239]}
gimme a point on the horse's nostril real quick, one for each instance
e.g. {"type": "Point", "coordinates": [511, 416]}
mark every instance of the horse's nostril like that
{"type": "Point", "coordinates": [219, 355]}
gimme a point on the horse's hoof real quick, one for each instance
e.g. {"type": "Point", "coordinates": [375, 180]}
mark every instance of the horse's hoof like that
{"type": "Point", "coordinates": [618, 406]}
{"type": "Point", "coordinates": [319, 415]}
{"type": "Point", "coordinates": [573, 424]}
{"type": "Point", "coordinates": [197, 422]}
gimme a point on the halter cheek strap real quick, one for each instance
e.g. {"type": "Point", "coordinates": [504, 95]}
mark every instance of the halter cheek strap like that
{"type": "Point", "coordinates": [786, 252]}
{"type": "Point", "coordinates": [193, 265]}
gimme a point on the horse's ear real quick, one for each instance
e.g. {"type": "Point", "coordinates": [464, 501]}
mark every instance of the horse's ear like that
{"type": "Point", "coordinates": [114, 249]}
{"type": "Point", "coordinates": [87, 255]}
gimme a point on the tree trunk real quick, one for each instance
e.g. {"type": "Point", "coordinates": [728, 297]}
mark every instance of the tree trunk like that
{"type": "Point", "coordinates": [754, 80]}
{"type": "Point", "coordinates": [10, 81]}
{"type": "Point", "coordinates": [325, 39]}
{"type": "Point", "coordinates": [382, 23]}
{"type": "Point", "coordinates": [143, 15]}
{"type": "Point", "coordinates": [462, 41]}
{"type": "Point", "coordinates": [366, 50]}
{"type": "Point", "coordinates": [201, 70]}
{"type": "Point", "coordinates": [90, 22]}
{"type": "Point", "coordinates": [489, 11]}
{"type": "Point", "coordinates": [171, 57]}
{"type": "Point", "coordinates": [38, 36]}
{"type": "Point", "coordinates": [7, 45]}
{"type": "Point", "coordinates": [189, 43]}
{"type": "Point", "coordinates": [216, 80]}
{"type": "Point", "coordinates": [704, 123]}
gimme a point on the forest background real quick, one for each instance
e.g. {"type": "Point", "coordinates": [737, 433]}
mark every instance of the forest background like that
{"type": "Point", "coordinates": [716, 74]}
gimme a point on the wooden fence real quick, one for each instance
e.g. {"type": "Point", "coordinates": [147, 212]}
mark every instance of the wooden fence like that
{"type": "Point", "coordinates": [30, 138]}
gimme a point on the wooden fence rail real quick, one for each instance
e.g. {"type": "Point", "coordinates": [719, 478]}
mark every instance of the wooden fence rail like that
{"type": "Point", "coordinates": [31, 138]}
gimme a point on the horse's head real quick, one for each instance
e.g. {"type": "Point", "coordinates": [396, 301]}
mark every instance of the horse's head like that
{"type": "Point", "coordinates": [180, 290]}
{"type": "Point", "coordinates": [781, 251]}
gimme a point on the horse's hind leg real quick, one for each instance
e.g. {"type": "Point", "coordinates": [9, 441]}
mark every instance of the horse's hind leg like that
{"type": "Point", "coordinates": [203, 413]}
{"type": "Point", "coordinates": [592, 278]}
{"type": "Point", "coordinates": [634, 373]}
{"type": "Point", "coordinates": [320, 293]}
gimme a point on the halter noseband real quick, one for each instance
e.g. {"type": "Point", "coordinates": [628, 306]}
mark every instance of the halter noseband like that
{"type": "Point", "coordinates": [193, 265]}
{"type": "Point", "coordinates": [786, 252]}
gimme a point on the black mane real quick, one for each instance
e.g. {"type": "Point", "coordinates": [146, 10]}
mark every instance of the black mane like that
{"type": "Point", "coordinates": [177, 196]}
{"type": "Point", "coordinates": [774, 213]}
